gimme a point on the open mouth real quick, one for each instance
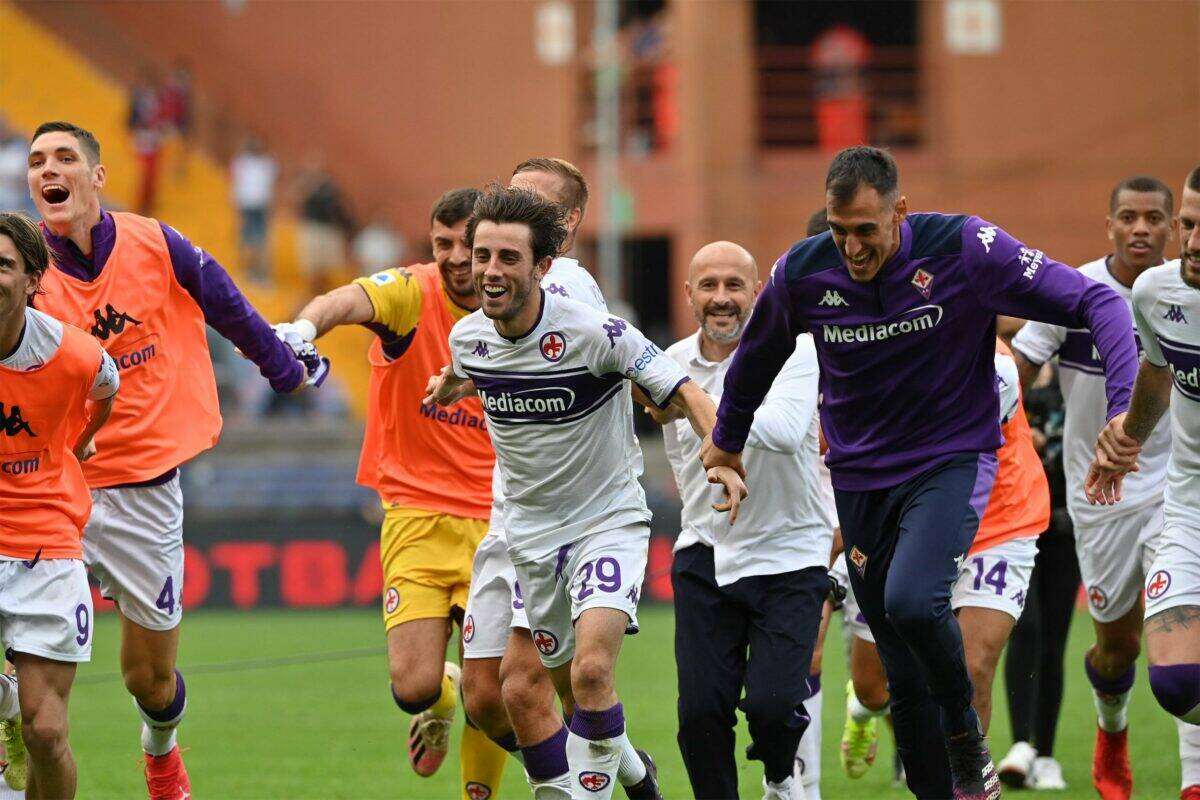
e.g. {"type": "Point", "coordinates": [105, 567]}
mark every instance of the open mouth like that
{"type": "Point", "coordinates": [55, 193]}
{"type": "Point", "coordinates": [494, 292]}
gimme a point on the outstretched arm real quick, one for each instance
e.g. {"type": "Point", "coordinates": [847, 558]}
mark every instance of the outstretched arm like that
{"type": "Point", "coordinates": [1121, 441]}
{"type": "Point", "coordinates": [695, 404]}
{"type": "Point", "coordinates": [346, 305]}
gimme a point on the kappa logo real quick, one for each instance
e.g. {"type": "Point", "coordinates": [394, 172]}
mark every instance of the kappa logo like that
{"type": "Point", "coordinates": [594, 781]}
{"type": "Point", "coordinates": [110, 322]}
{"type": "Point", "coordinates": [833, 298]}
{"type": "Point", "coordinates": [1158, 584]}
{"type": "Point", "coordinates": [986, 236]}
{"type": "Point", "coordinates": [481, 349]}
{"type": "Point", "coordinates": [478, 791]}
{"type": "Point", "coordinates": [545, 641]}
{"type": "Point", "coordinates": [859, 559]}
{"type": "Point", "coordinates": [12, 423]}
{"type": "Point", "coordinates": [1175, 314]}
{"type": "Point", "coordinates": [554, 288]}
{"type": "Point", "coordinates": [392, 600]}
{"type": "Point", "coordinates": [614, 328]}
{"type": "Point", "coordinates": [553, 346]}
{"type": "Point", "coordinates": [468, 628]}
{"type": "Point", "coordinates": [922, 280]}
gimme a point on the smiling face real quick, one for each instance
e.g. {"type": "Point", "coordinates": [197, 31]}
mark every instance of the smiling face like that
{"type": "Point", "coordinates": [866, 230]}
{"type": "Point", "coordinates": [504, 270]}
{"type": "Point", "coordinates": [453, 258]}
{"type": "Point", "coordinates": [722, 284]}
{"type": "Point", "coordinates": [1139, 228]}
{"type": "Point", "coordinates": [1189, 237]}
{"type": "Point", "coordinates": [64, 186]}
{"type": "Point", "coordinates": [16, 284]}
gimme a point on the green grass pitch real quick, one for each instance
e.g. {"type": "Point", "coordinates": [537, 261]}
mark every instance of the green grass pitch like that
{"type": "Point", "coordinates": [271, 715]}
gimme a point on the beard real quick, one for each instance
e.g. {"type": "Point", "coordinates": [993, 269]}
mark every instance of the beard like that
{"type": "Point", "coordinates": [724, 335]}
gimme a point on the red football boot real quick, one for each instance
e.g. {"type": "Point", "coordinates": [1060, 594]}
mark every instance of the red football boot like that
{"type": "Point", "coordinates": [166, 777]}
{"type": "Point", "coordinates": [1111, 774]}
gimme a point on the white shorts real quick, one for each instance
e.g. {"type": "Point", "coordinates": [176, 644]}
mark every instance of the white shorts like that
{"type": "Point", "coordinates": [997, 578]}
{"type": "Point", "coordinates": [46, 609]}
{"type": "Point", "coordinates": [1115, 557]}
{"type": "Point", "coordinates": [601, 570]}
{"type": "Point", "coordinates": [133, 545]}
{"type": "Point", "coordinates": [494, 606]}
{"type": "Point", "coordinates": [1174, 577]}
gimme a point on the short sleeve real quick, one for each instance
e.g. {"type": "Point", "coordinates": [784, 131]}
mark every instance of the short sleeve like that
{"type": "Point", "coordinates": [1008, 382]}
{"type": "Point", "coordinates": [1039, 341]}
{"type": "Point", "coordinates": [1143, 304]}
{"type": "Point", "coordinates": [108, 378]}
{"type": "Point", "coordinates": [396, 297]}
{"type": "Point", "coordinates": [616, 346]}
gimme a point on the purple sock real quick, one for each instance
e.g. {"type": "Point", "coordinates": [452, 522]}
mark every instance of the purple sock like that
{"type": "Point", "coordinates": [598, 725]}
{"type": "Point", "coordinates": [174, 709]}
{"type": "Point", "coordinates": [1177, 688]}
{"type": "Point", "coordinates": [548, 759]}
{"type": "Point", "coordinates": [1119, 685]}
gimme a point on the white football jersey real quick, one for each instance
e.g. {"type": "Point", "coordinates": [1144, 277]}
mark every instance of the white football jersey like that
{"type": "Point", "coordinates": [560, 418]}
{"type": "Point", "coordinates": [1081, 377]}
{"type": "Point", "coordinates": [565, 278]}
{"type": "Point", "coordinates": [1167, 311]}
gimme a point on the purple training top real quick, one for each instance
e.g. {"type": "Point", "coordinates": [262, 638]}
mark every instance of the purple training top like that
{"type": "Point", "coordinates": [907, 371]}
{"type": "Point", "coordinates": [224, 306]}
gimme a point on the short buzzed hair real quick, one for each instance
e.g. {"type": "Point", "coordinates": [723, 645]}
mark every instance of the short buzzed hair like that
{"type": "Point", "coordinates": [1193, 179]}
{"type": "Point", "coordinates": [575, 183]}
{"type": "Point", "coordinates": [454, 206]}
{"type": "Point", "coordinates": [505, 204]}
{"type": "Point", "coordinates": [855, 166]}
{"type": "Point", "coordinates": [87, 141]}
{"type": "Point", "coordinates": [27, 238]}
{"type": "Point", "coordinates": [1146, 184]}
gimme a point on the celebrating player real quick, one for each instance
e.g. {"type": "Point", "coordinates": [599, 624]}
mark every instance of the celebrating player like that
{"type": "Point", "coordinates": [902, 309]}
{"type": "Point", "coordinates": [433, 472]}
{"type": "Point", "coordinates": [992, 582]}
{"type": "Point", "coordinates": [1166, 307]}
{"type": "Point", "coordinates": [497, 640]}
{"type": "Point", "coordinates": [733, 585]}
{"type": "Point", "coordinates": [1115, 544]}
{"type": "Point", "coordinates": [56, 391]}
{"type": "Point", "coordinates": [549, 373]}
{"type": "Point", "coordinates": [145, 292]}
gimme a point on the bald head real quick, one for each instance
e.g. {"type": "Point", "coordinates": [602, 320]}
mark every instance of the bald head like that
{"type": "Point", "coordinates": [723, 254]}
{"type": "Point", "coordinates": [722, 284]}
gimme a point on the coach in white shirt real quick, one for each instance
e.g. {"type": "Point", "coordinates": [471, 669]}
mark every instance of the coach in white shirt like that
{"type": "Point", "coordinates": [759, 584]}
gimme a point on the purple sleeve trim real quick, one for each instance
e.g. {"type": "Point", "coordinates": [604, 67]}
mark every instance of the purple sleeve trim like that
{"type": "Point", "coordinates": [228, 311]}
{"type": "Point", "coordinates": [671, 394]}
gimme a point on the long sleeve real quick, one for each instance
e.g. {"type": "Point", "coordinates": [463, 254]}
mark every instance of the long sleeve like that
{"type": "Point", "coordinates": [1009, 278]}
{"type": "Point", "coordinates": [228, 311]}
{"type": "Point", "coordinates": [782, 422]}
{"type": "Point", "coordinates": [768, 341]}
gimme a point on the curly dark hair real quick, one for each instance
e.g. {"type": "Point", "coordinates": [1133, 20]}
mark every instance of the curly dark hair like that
{"type": "Point", "coordinates": [546, 220]}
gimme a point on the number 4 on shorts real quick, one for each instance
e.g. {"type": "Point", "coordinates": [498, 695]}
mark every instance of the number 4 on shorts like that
{"type": "Point", "coordinates": [166, 598]}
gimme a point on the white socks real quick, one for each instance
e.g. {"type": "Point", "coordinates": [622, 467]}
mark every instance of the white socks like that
{"type": "Point", "coordinates": [558, 788]}
{"type": "Point", "coordinates": [594, 764]}
{"type": "Point", "coordinates": [631, 769]}
{"type": "Point", "coordinates": [860, 713]}
{"type": "Point", "coordinates": [1112, 710]}
{"type": "Point", "coordinates": [1189, 752]}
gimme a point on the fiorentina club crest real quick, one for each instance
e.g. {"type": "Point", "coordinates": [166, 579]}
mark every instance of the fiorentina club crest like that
{"type": "Point", "coordinates": [922, 280]}
{"type": "Point", "coordinates": [468, 628]}
{"type": "Point", "coordinates": [392, 601]}
{"type": "Point", "coordinates": [553, 346]}
{"type": "Point", "coordinates": [593, 781]}
{"type": "Point", "coordinates": [1158, 584]}
{"type": "Point", "coordinates": [545, 641]}
{"type": "Point", "coordinates": [859, 559]}
{"type": "Point", "coordinates": [478, 791]}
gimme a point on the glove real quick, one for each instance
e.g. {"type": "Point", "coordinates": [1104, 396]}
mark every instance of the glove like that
{"type": "Point", "coordinates": [298, 336]}
{"type": "Point", "coordinates": [837, 592]}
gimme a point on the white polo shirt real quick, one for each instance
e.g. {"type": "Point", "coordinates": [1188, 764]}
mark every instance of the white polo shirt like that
{"type": "Point", "coordinates": [784, 524]}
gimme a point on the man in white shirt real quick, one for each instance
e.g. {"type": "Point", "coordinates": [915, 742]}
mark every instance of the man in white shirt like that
{"type": "Point", "coordinates": [252, 174]}
{"type": "Point", "coordinates": [549, 372]}
{"type": "Point", "coordinates": [1166, 309]}
{"type": "Point", "coordinates": [1115, 545]}
{"type": "Point", "coordinates": [760, 583]}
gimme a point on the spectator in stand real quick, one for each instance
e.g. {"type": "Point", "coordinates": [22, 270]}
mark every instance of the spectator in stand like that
{"type": "Point", "coordinates": [378, 246]}
{"type": "Point", "coordinates": [14, 151]}
{"type": "Point", "coordinates": [253, 173]}
{"type": "Point", "coordinates": [175, 109]}
{"type": "Point", "coordinates": [839, 59]}
{"type": "Point", "coordinates": [325, 225]}
{"type": "Point", "coordinates": [145, 126]}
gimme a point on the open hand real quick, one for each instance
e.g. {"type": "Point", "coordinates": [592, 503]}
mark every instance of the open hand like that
{"type": "Point", "coordinates": [735, 490]}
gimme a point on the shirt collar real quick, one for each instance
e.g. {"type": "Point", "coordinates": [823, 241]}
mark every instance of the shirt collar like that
{"type": "Point", "coordinates": [696, 355]}
{"type": "Point", "coordinates": [901, 255]}
{"type": "Point", "coordinates": [68, 257]}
